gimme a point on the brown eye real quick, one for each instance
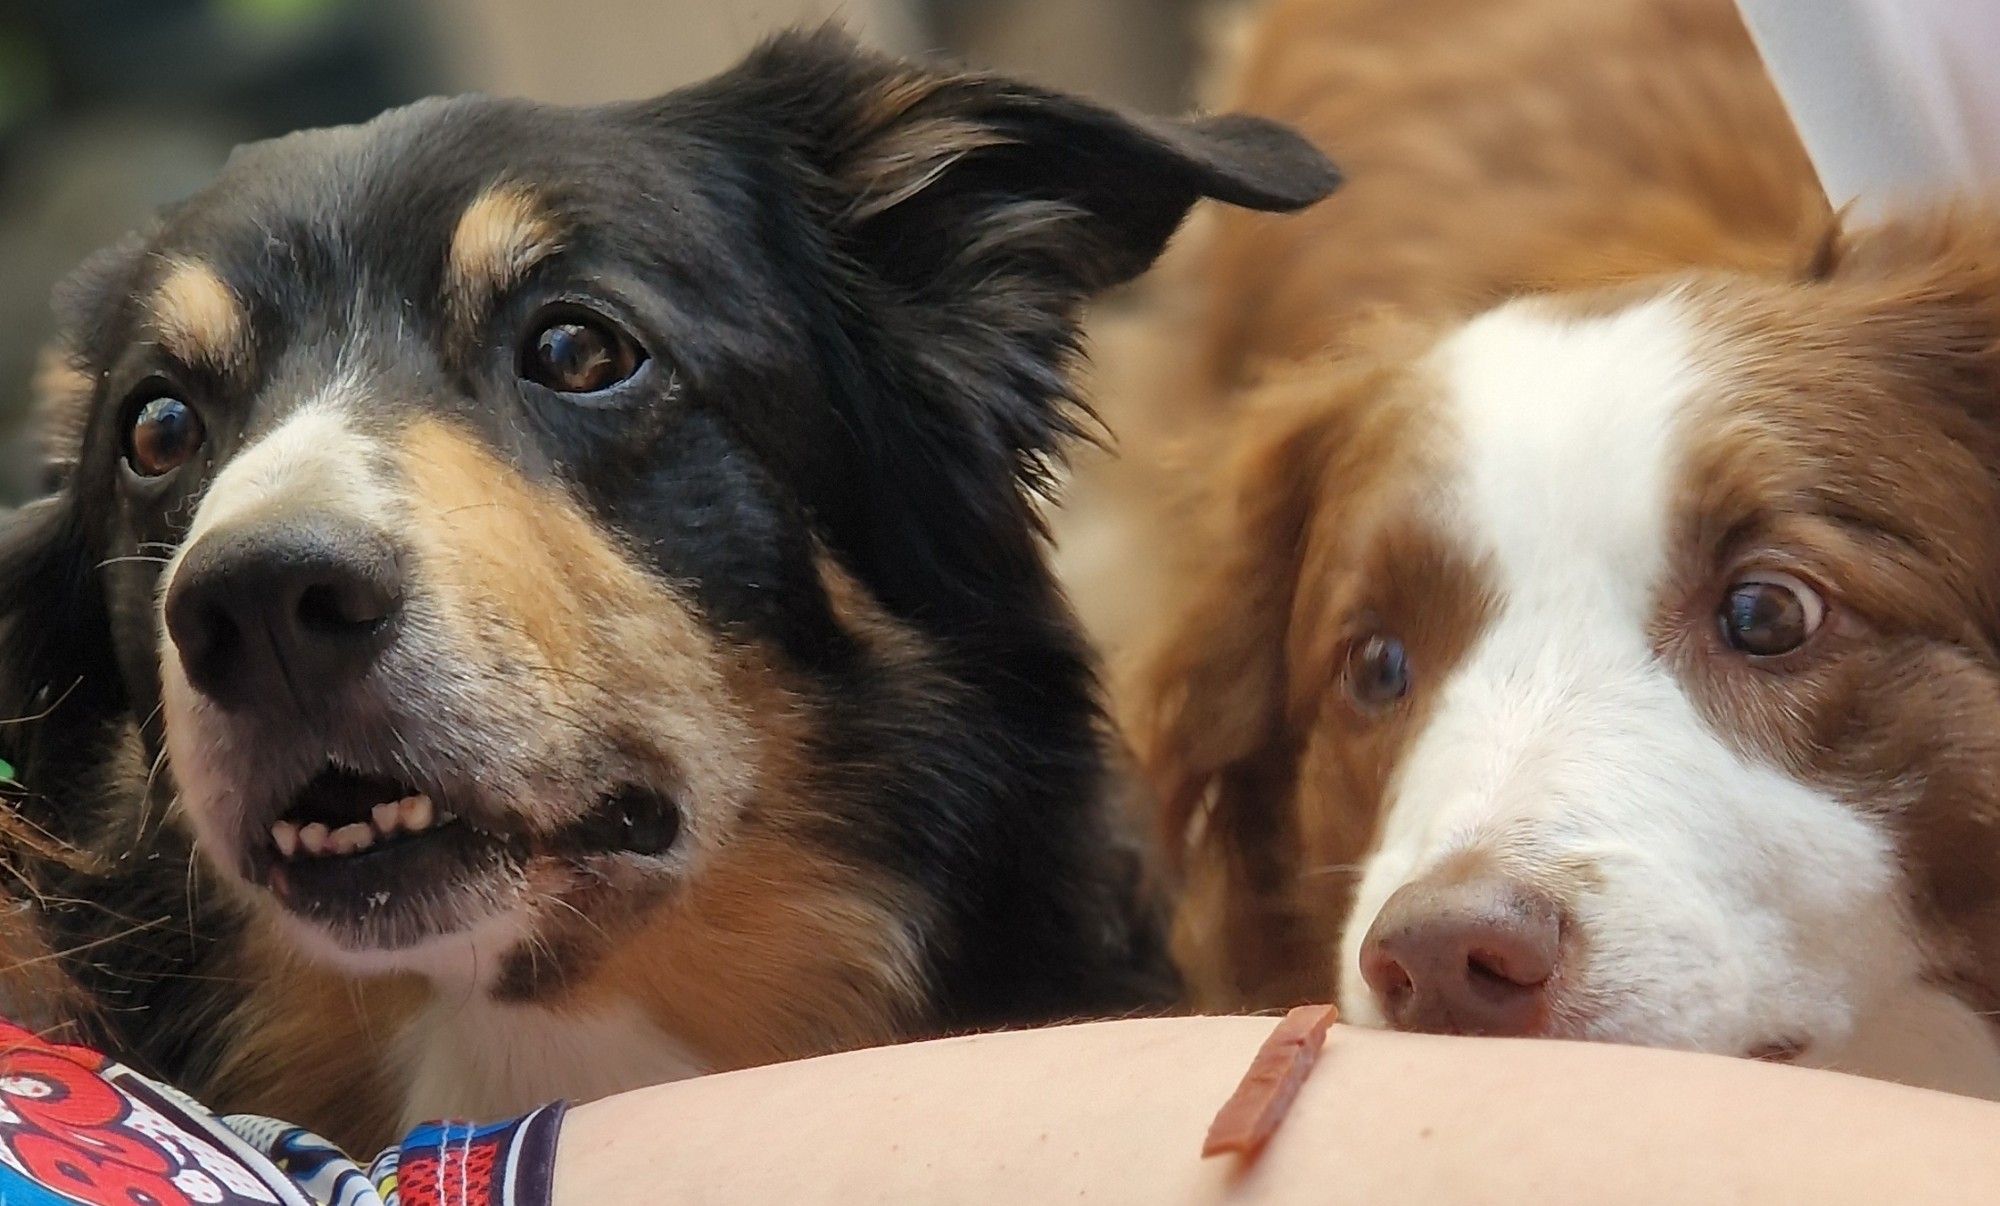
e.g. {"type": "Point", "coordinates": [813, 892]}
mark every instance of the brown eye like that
{"type": "Point", "coordinates": [578, 354]}
{"type": "Point", "coordinates": [1378, 672]}
{"type": "Point", "coordinates": [165, 434]}
{"type": "Point", "coordinates": [1770, 614]}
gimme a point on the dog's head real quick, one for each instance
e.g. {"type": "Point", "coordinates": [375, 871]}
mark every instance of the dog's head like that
{"type": "Point", "coordinates": [495, 516]}
{"type": "Point", "coordinates": [1621, 666]}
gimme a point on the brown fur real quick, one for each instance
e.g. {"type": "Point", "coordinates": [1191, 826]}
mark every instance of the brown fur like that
{"type": "Point", "coordinates": [1255, 708]}
{"type": "Point", "coordinates": [1494, 149]}
{"type": "Point", "coordinates": [316, 1044]}
{"type": "Point", "coordinates": [1859, 435]}
{"type": "Point", "coordinates": [774, 952]}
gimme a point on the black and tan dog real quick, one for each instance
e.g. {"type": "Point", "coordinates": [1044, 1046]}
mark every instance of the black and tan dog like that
{"type": "Point", "coordinates": [575, 576]}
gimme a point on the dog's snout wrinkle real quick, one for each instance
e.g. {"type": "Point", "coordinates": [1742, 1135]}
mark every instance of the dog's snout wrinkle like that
{"type": "Point", "coordinates": [1470, 956]}
{"type": "Point", "coordinates": [274, 610]}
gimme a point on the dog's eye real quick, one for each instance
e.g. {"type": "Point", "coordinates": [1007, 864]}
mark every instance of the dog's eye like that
{"type": "Point", "coordinates": [580, 354]}
{"type": "Point", "coordinates": [164, 435]}
{"type": "Point", "coordinates": [1378, 672]}
{"type": "Point", "coordinates": [1770, 614]}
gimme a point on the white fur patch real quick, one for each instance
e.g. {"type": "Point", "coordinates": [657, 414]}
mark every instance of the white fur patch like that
{"type": "Point", "coordinates": [315, 456]}
{"type": "Point", "coordinates": [472, 1057]}
{"type": "Point", "coordinates": [1720, 905]}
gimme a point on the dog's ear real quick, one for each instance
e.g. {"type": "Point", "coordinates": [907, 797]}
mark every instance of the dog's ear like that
{"type": "Point", "coordinates": [971, 217]}
{"type": "Point", "coordinates": [948, 178]}
{"type": "Point", "coordinates": [64, 388]}
{"type": "Point", "coordinates": [1212, 714]}
{"type": "Point", "coordinates": [58, 677]}
{"type": "Point", "coordinates": [55, 663]}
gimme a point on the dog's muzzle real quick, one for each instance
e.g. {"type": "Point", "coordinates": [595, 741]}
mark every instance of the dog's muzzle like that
{"type": "Point", "coordinates": [279, 612]}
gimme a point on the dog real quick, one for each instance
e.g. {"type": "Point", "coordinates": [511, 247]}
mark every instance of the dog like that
{"type": "Point", "coordinates": [1588, 622]}
{"type": "Point", "coordinates": [541, 601]}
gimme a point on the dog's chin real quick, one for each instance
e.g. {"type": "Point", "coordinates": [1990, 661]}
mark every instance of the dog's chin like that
{"type": "Point", "coordinates": [379, 872]}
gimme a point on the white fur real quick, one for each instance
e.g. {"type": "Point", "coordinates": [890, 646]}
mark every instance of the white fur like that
{"type": "Point", "coordinates": [314, 455]}
{"type": "Point", "coordinates": [1722, 905]}
{"type": "Point", "coordinates": [472, 1057]}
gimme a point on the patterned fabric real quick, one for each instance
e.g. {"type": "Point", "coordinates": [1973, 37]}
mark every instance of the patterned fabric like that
{"type": "Point", "coordinates": [78, 1129]}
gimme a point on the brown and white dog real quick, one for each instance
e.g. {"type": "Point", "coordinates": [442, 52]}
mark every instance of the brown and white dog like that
{"type": "Point", "coordinates": [1595, 629]}
{"type": "Point", "coordinates": [574, 574]}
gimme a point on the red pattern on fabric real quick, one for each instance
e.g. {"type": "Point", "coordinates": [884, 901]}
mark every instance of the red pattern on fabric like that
{"type": "Point", "coordinates": [71, 1136]}
{"type": "Point", "coordinates": [465, 1174]}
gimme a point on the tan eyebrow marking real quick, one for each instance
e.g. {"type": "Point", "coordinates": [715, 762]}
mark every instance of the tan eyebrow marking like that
{"type": "Point", "coordinates": [503, 233]}
{"type": "Point", "coordinates": [198, 316]}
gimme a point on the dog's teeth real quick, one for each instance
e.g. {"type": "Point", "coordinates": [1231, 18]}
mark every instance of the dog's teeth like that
{"type": "Point", "coordinates": [351, 839]}
{"type": "Point", "coordinates": [314, 839]}
{"type": "Point", "coordinates": [418, 813]}
{"type": "Point", "coordinates": [286, 836]}
{"type": "Point", "coordinates": [446, 817]}
{"type": "Point", "coordinates": [388, 818]}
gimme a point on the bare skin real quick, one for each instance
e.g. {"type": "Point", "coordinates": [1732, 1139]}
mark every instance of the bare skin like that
{"type": "Point", "coordinates": [1115, 1112]}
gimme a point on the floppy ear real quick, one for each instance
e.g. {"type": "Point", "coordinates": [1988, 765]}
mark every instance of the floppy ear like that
{"type": "Point", "coordinates": [953, 177]}
{"type": "Point", "coordinates": [58, 675]}
{"type": "Point", "coordinates": [1920, 295]}
{"type": "Point", "coordinates": [973, 216]}
{"type": "Point", "coordinates": [64, 388]}
{"type": "Point", "coordinates": [56, 671]}
{"type": "Point", "coordinates": [1210, 719]}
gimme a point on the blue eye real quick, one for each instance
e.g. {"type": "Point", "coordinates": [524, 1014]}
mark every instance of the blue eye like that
{"type": "Point", "coordinates": [164, 435]}
{"type": "Point", "coordinates": [1378, 672]}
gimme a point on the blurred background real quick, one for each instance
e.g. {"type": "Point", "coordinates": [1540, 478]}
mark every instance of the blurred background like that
{"type": "Point", "coordinates": [111, 108]}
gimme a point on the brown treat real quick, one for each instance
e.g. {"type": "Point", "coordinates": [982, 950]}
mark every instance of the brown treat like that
{"type": "Point", "coordinates": [1252, 1114]}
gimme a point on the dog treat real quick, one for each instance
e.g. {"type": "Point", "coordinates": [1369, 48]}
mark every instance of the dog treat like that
{"type": "Point", "coordinates": [1251, 1115]}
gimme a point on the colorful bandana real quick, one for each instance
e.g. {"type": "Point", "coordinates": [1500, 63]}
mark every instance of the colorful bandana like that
{"type": "Point", "coordinates": [78, 1129]}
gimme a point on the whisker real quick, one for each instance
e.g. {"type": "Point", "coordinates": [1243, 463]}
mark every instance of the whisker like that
{"type": "Point", "coordinates": [93, 944]}
{"type": "Point", "coordinates": [1332, 869]}
{"type": "Point", "coordinates": [49, 711]}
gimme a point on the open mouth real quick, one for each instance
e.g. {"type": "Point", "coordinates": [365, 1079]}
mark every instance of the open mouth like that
{"type": "Point", "coordinates": [385, 863]}
{"type": "Point", "coordinates": [341, 813]}
{"type": "Point", "coordinates": [1778, 1051]}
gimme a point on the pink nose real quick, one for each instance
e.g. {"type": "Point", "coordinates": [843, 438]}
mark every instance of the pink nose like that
{"type": "Point", "coordinates": [1469, 957]}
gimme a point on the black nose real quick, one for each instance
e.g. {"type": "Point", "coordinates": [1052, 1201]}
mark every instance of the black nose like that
{"type": "Point", "coordinates": [279, 611]}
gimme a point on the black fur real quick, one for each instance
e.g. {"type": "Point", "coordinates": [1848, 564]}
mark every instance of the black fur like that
{"type": "Point", "coordinates": [867, 276]}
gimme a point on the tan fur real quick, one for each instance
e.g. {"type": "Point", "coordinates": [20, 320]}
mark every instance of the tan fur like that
{"type": "Point", "coordinates": [896, 152]}
{"type": "Point", "coordinates": [316, 1045]}
{"type": "Point", "coordinates": [774, 952]}
{"type": "Point", "coordinates": [62, 394]}
{"type": "Point", "coordinates": [504, 232]}
{"type": "Point", "coordinates": [38, 995]}
{"type": "Point", "coordinates": [772, 948]}
{"type": "Point", "coordinates": [1491, 149]}
{"type": "Point", "coordinates": [600, 652]}
{"type": "Point", "coordinates": [198, 317]}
